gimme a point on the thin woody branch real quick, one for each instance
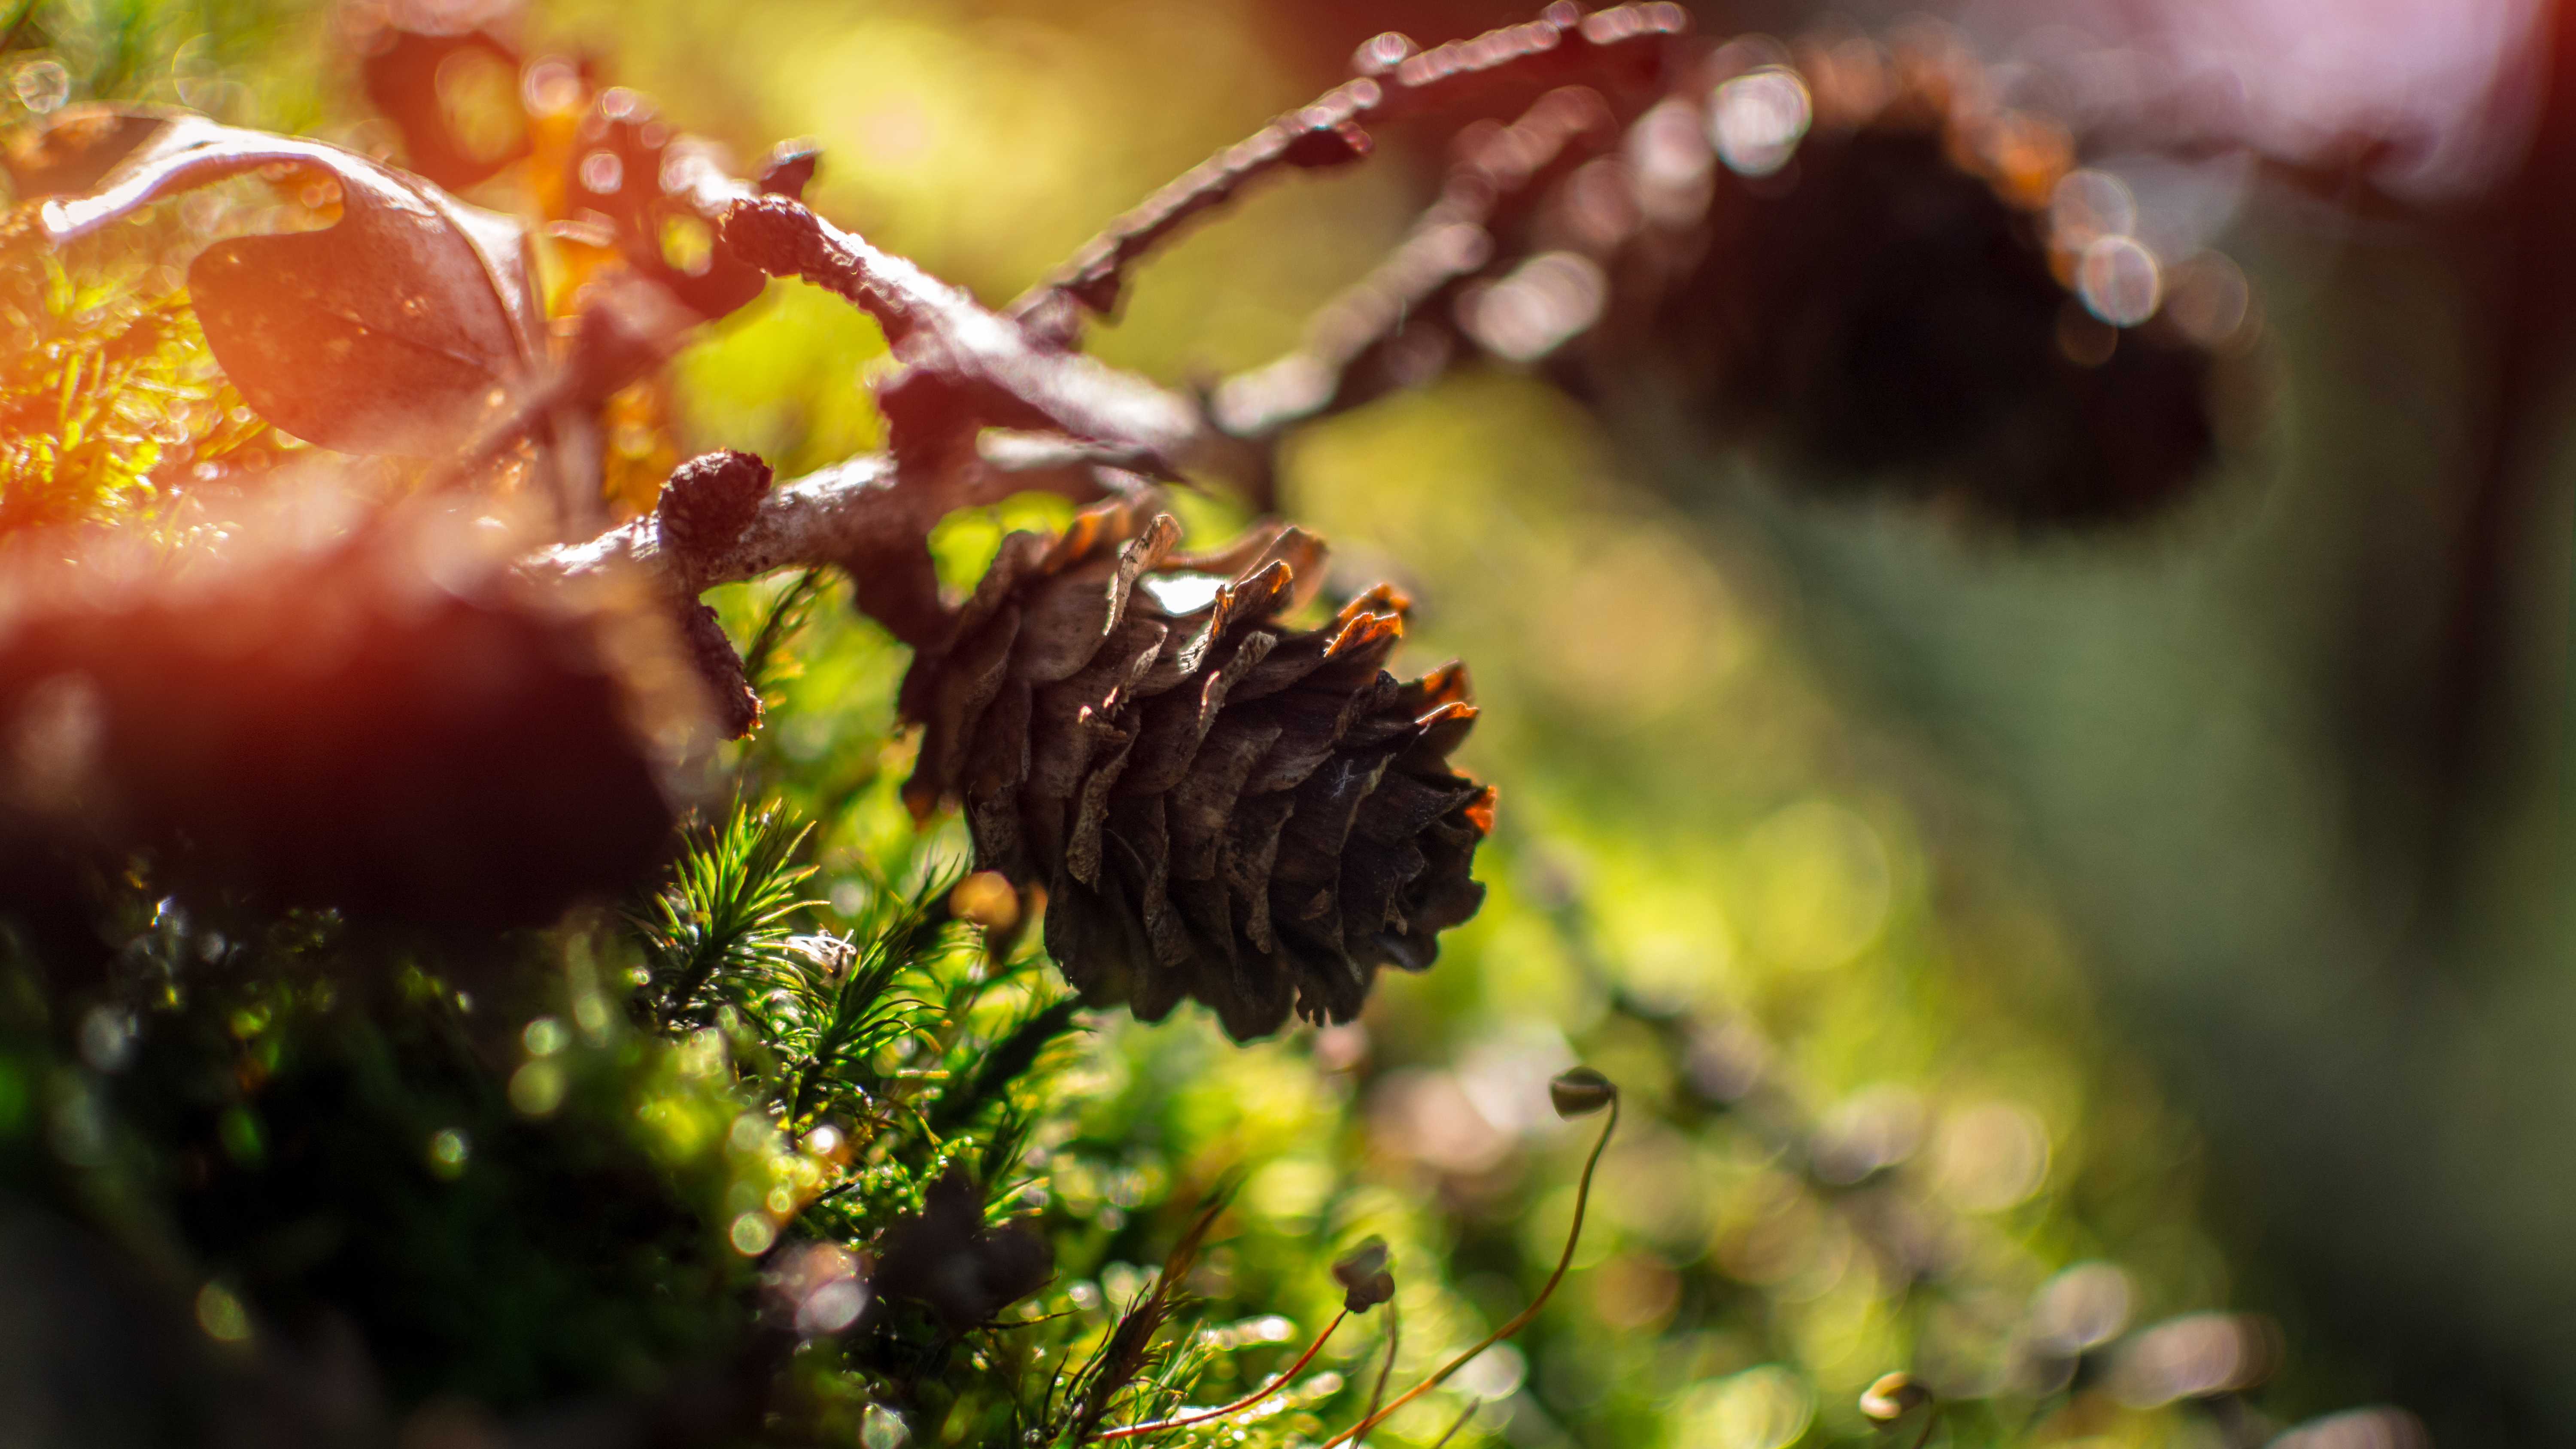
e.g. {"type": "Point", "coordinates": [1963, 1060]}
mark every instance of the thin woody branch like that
{"type": "Point", "coordinates": [964, 368]}
{"type": "Point", "coordinates": [1452, 241]}
{"type": "Point", "coordinates": [1416, 77]}
{"type": "Point", "coordinates": [1328, 132]}
{"type": "Point", "coordinates": [986, 373]}
{"type": "Point", "coordinates": [821, 518]}
{"type": "Point", "coordinates": [858, 515]}
{"type": "Point", "coordinates": [1325, 133]}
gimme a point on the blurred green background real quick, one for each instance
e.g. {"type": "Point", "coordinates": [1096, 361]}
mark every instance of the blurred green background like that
{"type": "Point", "coordinates": [2187, 899]}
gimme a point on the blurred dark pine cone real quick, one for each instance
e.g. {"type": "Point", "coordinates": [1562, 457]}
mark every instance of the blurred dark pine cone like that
{"type": "Point", "coordinates": [1886, 313]}
{"type": "Point", "coordinates": [435, 755]}
{"type": "Point", "coordinates": [1217, 805]}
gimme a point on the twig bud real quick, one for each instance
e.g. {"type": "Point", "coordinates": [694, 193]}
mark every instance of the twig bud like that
{"type": "Point", "coordinates": [709, 501]}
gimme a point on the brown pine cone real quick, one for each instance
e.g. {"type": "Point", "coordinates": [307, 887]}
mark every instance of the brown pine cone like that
{"type": "Point", "coordinates": [1217, 805]}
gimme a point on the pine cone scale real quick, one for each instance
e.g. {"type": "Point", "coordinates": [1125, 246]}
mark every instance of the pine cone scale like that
{"type": "Point", "coordinates": [997, 769]}
{"type": "Point", "coordinates": [998, 760]}
{"type": "Point", "coordinates": [1268, 592]}
{"type": "Point", "coordinates": [1251, 847]}
{"type": "Point", "coordinates": [1142, 821]}
{"type": "Point", "coordinates": [1253, 554]}
{"type": "Point", "coordinates": [1175, 726]}
{"type": "Point", "coordinates": [1307, 738]}
{"type": "Point", "coordinates": [1405, 805]}
{"type": "Point", "coordinates": [1080, 609]}
{"type": "Point", "coordinates": [1207, 795]}
{"type": "Point", "coordinates": [1374, 875]}
{"type": "Point", "coordinates": [1310, 853]}
{"type": "Point", "coordinates": [1072, 716]}
{"type": "Point", "coordinates": [953, 703]}
{"type": "Point", "coordinates": [1082, 853]}
{"type": "Point", "coordinates": [1443, 729]}
{"type": "Point", "coordinates": [1062, 632]}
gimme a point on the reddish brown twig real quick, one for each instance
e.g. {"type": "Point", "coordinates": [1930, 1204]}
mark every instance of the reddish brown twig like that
{"type": "Point", "coordinates": [1452, 241]}
{"type": "Point", "coordinates": [1326, 132]}
{"type": "Point", "coordinates": [1460, 1422]}
{"type": "Point", "coordinates": [1427, 80]}
{"type": "Point", "coordinates": [825, 517]}
{"type": "Point", "coordinates": [964, 368]}
{"type": "Point", "coordinates": [1323, 134]}
{"type": "Point", "coordinates": [820, 518]}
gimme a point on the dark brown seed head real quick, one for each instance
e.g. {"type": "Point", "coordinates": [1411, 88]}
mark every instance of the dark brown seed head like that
{"type": "Point", "coordinates": [1580, 1092]}
{"type": "Point", "coordinates": [1364, 1276]}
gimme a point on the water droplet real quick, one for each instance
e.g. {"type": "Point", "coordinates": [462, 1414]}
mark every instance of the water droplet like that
{"type": "Point", "coordinates": [602, 173]}
{"type": "Point", "coordinates": [2207, 297]}
{"type": "Point", "coordinates": [42, 86]}
{"type": "Point", "coordinates": [2119, 281]}
{"type": "Point", "coordinates": [1758, 118]}
{"type": "Point", "coordinates": [449, 1149]}
{"type": "Point", "coordinates": [221, 1314]}
{"type": "Point", "coordinates": [1546, 301]}
{"type": "Point", "coordinates": [752, 1234]}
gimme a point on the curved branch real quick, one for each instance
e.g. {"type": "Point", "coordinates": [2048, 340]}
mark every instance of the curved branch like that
{"type": "Point", "coordinates": [964, 368]}
{"type": "Point", "coordinates": [1322, 133]}
{"type": "Point", "coordinates": [966, 374]}
{"type": "Point", "coordinates": [1452, 241]}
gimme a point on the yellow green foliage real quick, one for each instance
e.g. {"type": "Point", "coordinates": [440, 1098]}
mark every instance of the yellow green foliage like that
{"type": "Point", "coordinates": [108, 396]}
